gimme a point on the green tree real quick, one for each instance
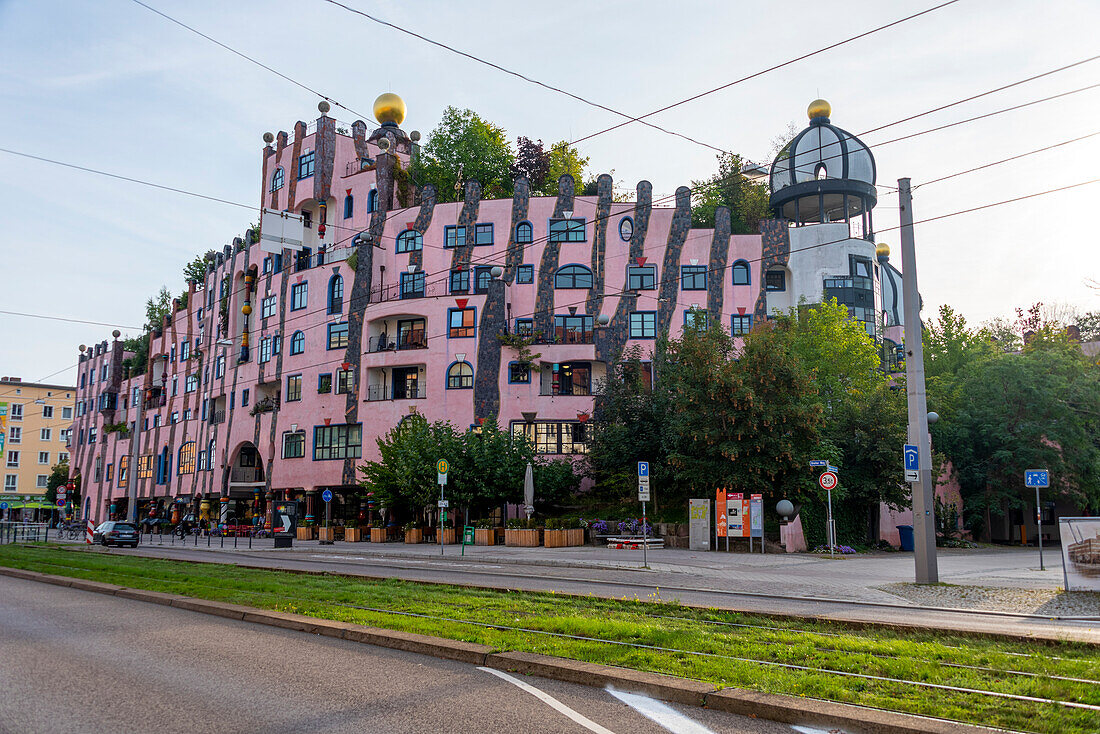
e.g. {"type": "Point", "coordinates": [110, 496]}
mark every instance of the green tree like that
{"type": "Point", "coordinates": [404, 478]}
{"type": "Point", "coordinates": [157, 307]}
{"type": "Point", "coordinates": [195, 270]}
{"type": "Point", "coordinates": [949, 344]}
{"type": "Point", "coordinates": [489, 468]}
{"type": "Point", "coordinates": [463, 147]}
{"type": "Point", "coordinates": [746, 200]}
{"type": "Point", "coordinates": [562, 160]}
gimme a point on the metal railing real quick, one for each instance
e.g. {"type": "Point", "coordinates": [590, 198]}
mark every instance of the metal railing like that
{"type": "Point", "coordinates": [412, 339]}
{"type": "Point", "coordinates": [384, 392]}
{"type": "Point", "coordinates": [217, 416]}
{"type": "Point", "coordinates": [24, 532]}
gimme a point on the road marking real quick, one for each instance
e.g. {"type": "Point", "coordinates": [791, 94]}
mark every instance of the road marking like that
{"type": "Point", "coordinates": [550, 701]}
{"type": "Point", "coordinates": [660, 713]}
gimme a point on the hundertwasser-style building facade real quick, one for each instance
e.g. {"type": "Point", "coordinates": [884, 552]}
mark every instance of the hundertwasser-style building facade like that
{"type": "Point", "coordinates": [276, 377]}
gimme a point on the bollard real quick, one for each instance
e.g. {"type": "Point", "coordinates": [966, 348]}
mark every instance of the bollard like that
{"type": "Point", "coordinates": [208, 538]}
{"type": "Point", "coordinates": [196, 540]}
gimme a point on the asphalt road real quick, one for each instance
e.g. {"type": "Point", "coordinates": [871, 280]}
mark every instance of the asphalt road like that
{"type": "Point", "coordinates": [74, 661]}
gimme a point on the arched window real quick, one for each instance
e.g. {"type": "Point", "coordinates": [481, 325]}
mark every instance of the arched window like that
{"type": "Point", "coordinates": [460, 376]}
{"type": "Point", "coordinates": [297, 343]}
{"type": "Point", "coordinates": [336, 294]}
{"type": "Point", "coordinates": [349, 206]}
{"type": "Point", "coordinates": [210, 455]}
{"type": "Point", "coordinates": [185, 463]}
{"type": "Point", "coordinates": [741, 274]}
{"type": "Point", "coordinates": [524, 233]}
{"type": "Point", "coordinates": [409, 240]}
{"type": "Point", "coordinates": [626, 229]}
{"type": "Point", "coordinates": [277, 179]}
{"type": "Point", "coordinates": [573, 276]}
{"type": "Point", "coordinates": [372, 200]}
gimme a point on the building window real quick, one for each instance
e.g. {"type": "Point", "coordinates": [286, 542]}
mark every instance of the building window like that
{"type": "Point", "coordinates": [460, 376]}
{"type": "Point", "coordinates": [693, 277]}
{"type": "Point", "coordinates": [13, 458]}
{"type": "Point", "coordinates": [305, 165]}
{"type": "Point", "coordinates": [695, 318]}
{"type": "Point", "coordinates": [185, 350]}
{"type": "Point", "coordinates": [567, 230]}
{"type": "Point", "coordinates": [525, 274]}
{"type": "Point", "coordinates": [123, 470]}
{"type": "Point", "coordinates": [11, 482]}
{"type": "Point", "coordinates": [483, 234]}
{"type": "Point", "coordinates": [324, 383]}
{"type": "Point", "coordinates": [525, 327]}
{"type": "Point", "coordinates": [409, 241]}
{"type": "Point", "coordinates": [741, 274]}
{"type": "Point", "coordinates": [43, 457]}
{"type": "Point", "coordinates": [519, 372]}
{"type": "Point", "coordinates": [338, 442]}
{"type": "Point", "coordinates": [349, 206]}
{"type": "Point", "coordinates": [294, 444]}
{"type": "Point", "coordinates": [267, 307]}
{"type": "Point", "coordinates": [460, 322]}
{"type": "Point", "coordinates": [47, 411]}
{"type": "Point", "coordinates": [572, 329]}
{"type": "Point", "coordinates": [573, 276]}
{"type": "Point", "coordinates": [524, 233]}
{"type": "Point", "coordinates": [145, 467]}
{"type": "Point", "coordinates": [62, 458]}
{"type": "Point", "coordinates": [775, 280]}
{"type": "Point", "coordinates": [643, 325]}
{"type": "Point", "coordinates": [15, 434]}
{"type": "Point", "coordinates": [45, 434]}
{"type": "Point", "coordinates": [412, 284]}
{"type": "Point", "coordinates": [265, 350]}
{"type": "Point", "coordinates": [297, 343]}
{"type": "Point", "coordinates": [175, 390]}
{"type": "Point", "coordinates": [191, 384]}
{"type": "Point", "coordinates": [44, 480]}
{"type": "Point", "coordinates": [244, 397]}
{"type": "Point", "coordinates": [483, 275]}
{"type": "Point", "coordinates": [17, 412]}
{"type": "Point", "coordinates": [345, 381]}
{"type": "Point", "coordinates": [336, 295]}
{"type": "Point", "coordinates": [338, 336]}
{"type": "Point", "coordinates": [277, 179]}
{"type": "Point", "coordinates": [185, 462]}
{"type": "Point", "coordinates": [641, 277]}
{"type": "Point", "coordinates": [219, 371]}
{"type": "Point", "coordinates": [293, 388]}
{"type": "Point", "coordinates": [741, 324]}
{"type": "Point", "coordinates": [372, 200]}
{"type": "Point", "coordinates": [626, 229]}
{"type": "Point", "coordinates": [554, 437]}
{"type": "Point", "coordinates": [454, 236]}
{"type": "Point", "coordinates": [299, 295]}
{"type": "Point", "coordinates": [460, 281]}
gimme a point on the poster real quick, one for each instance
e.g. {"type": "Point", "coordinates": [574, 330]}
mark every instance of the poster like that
{"type": "Point", "coordinates": [3, 428]}
{"type": "Point", "coordinates": [720, 511]}
{"type": "Point", "coordinates": [736, 516]}
{"type": "Point", "coordinates": [1080, 552]}
{"type": "Point", "coordinates": [756, 515]}
{"type": "Point", "coordinates": [699, 527]}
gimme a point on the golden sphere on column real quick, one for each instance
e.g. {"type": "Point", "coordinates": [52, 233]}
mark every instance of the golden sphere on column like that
{"type": "Point", "coordinates": [389, 108]}
{"type": "Point", "coordinates": [882, 250]}
{"type": "Point", "coordinates": [819, 108]}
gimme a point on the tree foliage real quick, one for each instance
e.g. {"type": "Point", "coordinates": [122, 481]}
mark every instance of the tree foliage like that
{"type": "Point", "coordinates": [157, 307]}
{"type": "Point", "coordinates": [461, 148]}
{"type": "Point", "coordinates": [746, 200]}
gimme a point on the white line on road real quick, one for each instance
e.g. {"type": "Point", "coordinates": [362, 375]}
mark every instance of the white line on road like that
{"type": "Point", "coordinates": [550, 701]}
{"type": "Point", "coordinates": [660, 713]}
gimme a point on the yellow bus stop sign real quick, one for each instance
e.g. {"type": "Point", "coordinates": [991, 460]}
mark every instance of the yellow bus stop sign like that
{"type": "Point", "coordinates": [442, 466]}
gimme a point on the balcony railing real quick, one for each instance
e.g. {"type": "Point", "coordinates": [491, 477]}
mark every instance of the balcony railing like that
{"type": "Point", "coordinates": [567, 391]}
{"type": "Point", "coordinates": [391, 392]}
{"type": "Point", "coordinates": [412, 339]}
{"type": "Point", "coordinates": [246, 474]}
{"type": "Point", "coordinates": [217, 416]}
{"type": "Point", "coordinates": [393, 292]}
{"type": "Point", "coordinates": [568, 336]}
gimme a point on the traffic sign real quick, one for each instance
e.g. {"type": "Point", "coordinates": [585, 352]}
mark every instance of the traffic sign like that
{"type": "Point", "coordinates": [327, 495]}
{"type": "Point", "coordinates": [61, 503]}
{"type": "Point", "coordinates": [827, 480]}
{"type": "Point", "coordinates": [911, 455]}
{"type": "Point", "coordinates": [1036, 478]}
{"type": "Point", "coordinates": [3, 505]}
{"type": "Point", "coordinates": [444, 503]}
{"type": "Point", "coordinates": [643, 469]}
{"type": "Point", "coordinates": [819, 462]}
{"type": "Point", "coordinates": [643, 492]}
{"type": "Point", "coordinates": [441, 466]}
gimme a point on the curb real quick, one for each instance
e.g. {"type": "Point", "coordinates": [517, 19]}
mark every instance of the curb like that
{"type": "Point", "coordinates": [770, 706]}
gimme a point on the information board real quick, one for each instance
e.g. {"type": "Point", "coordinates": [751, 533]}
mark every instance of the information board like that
{"type": "Point", "coordinates": [756, 515]}
{"type": "Point", "coordinates": [699, 527]}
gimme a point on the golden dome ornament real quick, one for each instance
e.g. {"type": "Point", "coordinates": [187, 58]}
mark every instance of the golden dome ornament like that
{"type": "Point", "coordinates": [819, 108]}
{"type": "Point", "coordinates": [389, 109]}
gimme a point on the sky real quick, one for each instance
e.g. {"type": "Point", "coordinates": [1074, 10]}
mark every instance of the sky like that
{"type": "Point", "coordinates": [111, 85]}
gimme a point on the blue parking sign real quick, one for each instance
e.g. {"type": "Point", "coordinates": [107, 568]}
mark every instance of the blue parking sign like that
{"type": "Point", "coordinates": [643, 468]}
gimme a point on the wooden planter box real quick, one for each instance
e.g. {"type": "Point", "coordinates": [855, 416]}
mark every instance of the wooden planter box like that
{"type": "Point", "coordinates": [378, 535]}
{"type": "Point", "coordinates": [414, 536]}
{"type": "Point", "coordinates": [353, 535]}
{"type": "Point", "coordinates": [328, 534]}
{"type": "Point", "coordinates": [305, 533]}
{"type": "Point", "coordinates": [522, 538]}
{"type": "Point", "coordinates": [484, 536]}
{"type": "Point", "coordinates": [563, 538]}
{"type": "Point", "coordinates": [445, 536]}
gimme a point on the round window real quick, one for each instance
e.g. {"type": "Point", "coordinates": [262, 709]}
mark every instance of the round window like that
{"type": "Point", "coordinates": [626, 229]}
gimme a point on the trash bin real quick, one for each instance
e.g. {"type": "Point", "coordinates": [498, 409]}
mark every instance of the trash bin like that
{"type": "Point", "coordinates": [287, 541]}
{"type": "Point", "coordinates": [905, 535]}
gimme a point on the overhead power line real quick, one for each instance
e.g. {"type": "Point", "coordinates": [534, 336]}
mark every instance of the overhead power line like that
{"type": "Point", "coordinates": [62, 318]}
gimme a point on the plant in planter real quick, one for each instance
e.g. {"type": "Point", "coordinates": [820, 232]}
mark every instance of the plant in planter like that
{"type": "Point", "coordinates": [523, 533]}
{"type": "Point", "coordinates": [563, 532]}
{"type": "Point", "coordinates": [445, 535]}
{"type": "Point", "coordinates": [305, 531]}
{"type": "Point", "coordinates": [267, 405]}
{"type": "Point", "coordinates": [484, 533]}
{"type": "Point", "coordinates": [352, 532]}
{"type": "Point", "coordinates": [413, 532]}
{"type": "Point", "coordinates": [120, 428]}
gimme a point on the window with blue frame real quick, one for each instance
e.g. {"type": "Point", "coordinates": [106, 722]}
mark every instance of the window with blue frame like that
{"type": "Point", "coordinates": [454, 236]}
{"type": "Point", "coordinates": [299, 295]}
{"type": "Point", "coordinates": [741, 324]}
{"type": "Point", "coordinates": [324, 383]}
{"type": "Point", "coordinates": [460, 376]}
{"type": "Point", "coordinates": [693, 277]}
{"type": "Point", "coordinates": [409, 240]}
{"type": "Point", "coordinates": [483, 275]}
{"type": "Point", "coordinates": [461, 322]}
{"type": "Point", "coordinates": [335, 294]}
{"type": "Point", "coordinates": [338, 442]}
{"type": "Point", "coordinates": [297, 343]}
{"type": "Point", "coordinates": [302, 258]}
{"type": "Point", "coordinates": [372, 200]}
{"type": "Point", "coordinates": [643, 325]}
{"type": "Point", "coordinates": [338, 336]}
{"type": "Point", "coordinates": [349, 206]}
{"type": "Point", "coordinates": [267, 307]}
{"type": "Point", "coordinates": [696, 318]}
{"type": "Point", "coordinates": [412, 284]}
{"type": "Point", "coordinates": [483, 234]}
{"type": "Point", "coordinates": [525, 234]}
{"type": "Point", "coordinates": [741, 273]}
{"type": "Point", "coordinates": [460, 281]}
{"type": "Point", "coordinates": [525, 274]}
{"type": "Point", "coordinates": [626, 229]}
{"type": "Point", "coordinates": [519, 373]}
{"type": "Point", "coordinates": [525, 327]}
{"type": "Point", "coordinates": [305, 165]}
{"type": "Point", "coordinates": [567, 230]}
{"type": "Point", "coordinates": [277, 179]}
{"type": "Point", "coordinates": [573, 276]}
{"type": "Point", "coordinates": [641, 277]}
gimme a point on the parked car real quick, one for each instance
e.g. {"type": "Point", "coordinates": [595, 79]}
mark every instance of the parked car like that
{"type": "Point", "coordinates": [113, 532]}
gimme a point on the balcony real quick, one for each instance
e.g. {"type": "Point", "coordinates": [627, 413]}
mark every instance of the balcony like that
{"type": "Point", "coordinates": [394, 292]}
{"type": "Point", "coordinates": [410, 339]}
{"type": "Point", "coordinates": [246, 475]}
{"type": "Point", "coordinates": [217, 416]}
{"type": "Point", "coordinates": [390, 392]}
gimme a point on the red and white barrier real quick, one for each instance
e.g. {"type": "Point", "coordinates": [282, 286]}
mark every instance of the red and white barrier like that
{"type": "Point", "coordinates": [88, 530]}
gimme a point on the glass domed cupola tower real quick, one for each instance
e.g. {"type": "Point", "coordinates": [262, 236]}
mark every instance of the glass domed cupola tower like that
{"type": "Point", "coordinates": [824, 175]}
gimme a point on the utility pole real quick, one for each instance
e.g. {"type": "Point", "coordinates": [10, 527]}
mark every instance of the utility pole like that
{"type": "Point", "coordinates": [924, 525]}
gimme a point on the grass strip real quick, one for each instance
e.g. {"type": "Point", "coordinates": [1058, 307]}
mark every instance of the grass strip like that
{"type": "Point", "coordinates": [689, 638]}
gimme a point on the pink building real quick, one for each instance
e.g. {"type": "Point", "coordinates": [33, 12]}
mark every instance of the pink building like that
{"type": "Point", "coordinates": [275, 378]}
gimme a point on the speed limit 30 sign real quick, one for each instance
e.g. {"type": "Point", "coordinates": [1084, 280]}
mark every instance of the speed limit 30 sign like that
{"type": "Point", "coordinates": [827, 480]}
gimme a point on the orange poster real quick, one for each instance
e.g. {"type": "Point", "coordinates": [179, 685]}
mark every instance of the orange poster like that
{"type": "Point", "coordinates": [720, 507]}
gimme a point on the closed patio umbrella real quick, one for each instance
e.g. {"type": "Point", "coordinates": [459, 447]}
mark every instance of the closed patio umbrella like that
{"type": "Point", "coordinates": [529, 491]}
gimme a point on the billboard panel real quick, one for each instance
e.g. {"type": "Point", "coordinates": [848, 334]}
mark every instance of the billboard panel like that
{"type": "Point", "coordinates": [1081, 552]}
